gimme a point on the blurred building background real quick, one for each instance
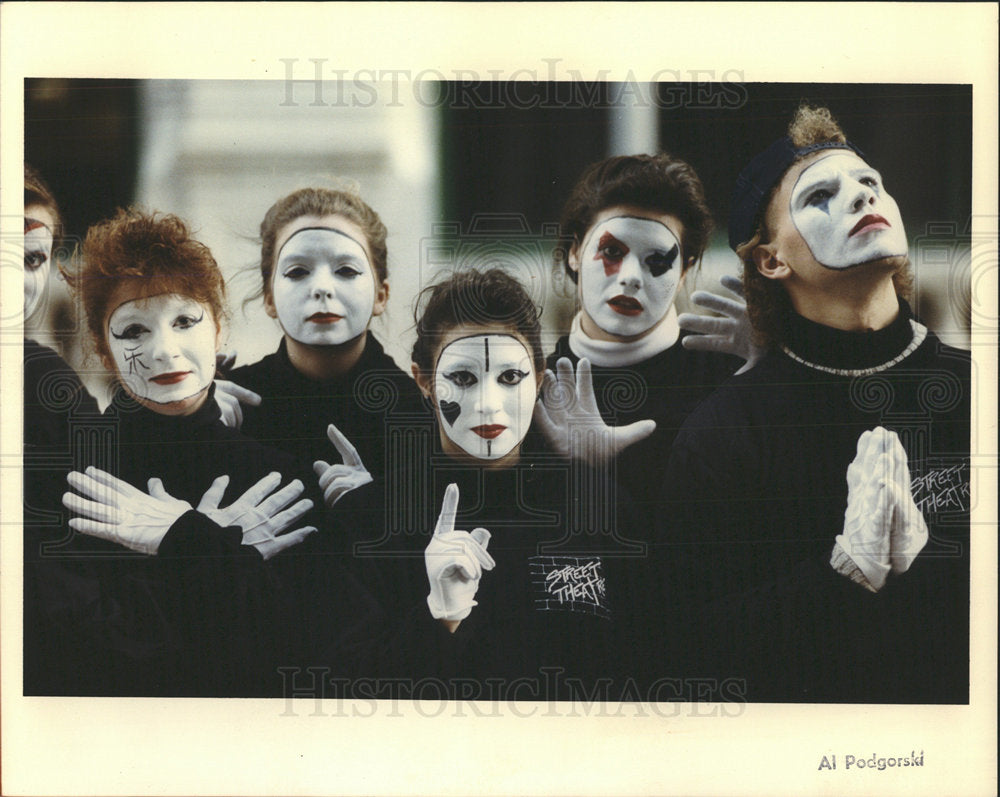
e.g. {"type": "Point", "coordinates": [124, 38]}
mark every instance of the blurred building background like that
{"type": "Point", "coordinates": [469, 174]}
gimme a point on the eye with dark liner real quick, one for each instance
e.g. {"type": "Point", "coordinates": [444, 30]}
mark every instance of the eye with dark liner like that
{"type": "Point", "coordinates": [295, 272]}
{"type": "Point", "coordinates": [818, 197]}
{"type": "Point", "coordinates": [511, 377]}
{"type": "Point", "coordinates": [461, 378]}
{"type": "Point", "coordinates": [131, 332]}
{"type": "Point", "coordinates": [188, 321]}
{"type": "Point", "coordinates": [660, 262]}
{"type": "Point", "coordinates": [33, 260]}
{"type": "Point", "coordinates": [348, 272]}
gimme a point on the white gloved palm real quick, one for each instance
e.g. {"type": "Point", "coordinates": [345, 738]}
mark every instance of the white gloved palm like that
{"type": "Point", "coordinates": [337, 480]}
{"type": "Point", "coordinates": [261, 512]}
{"type": "Point", "coordinates": [728, 333]}
{"type": "Point", "coordinates": [568, 417]}
{"type": "Point", "coordinates": [455, 561]}
{"type": "Point", "coordinates": [883, 528]}
{"type": "Point", "coordinates": [116, 511]}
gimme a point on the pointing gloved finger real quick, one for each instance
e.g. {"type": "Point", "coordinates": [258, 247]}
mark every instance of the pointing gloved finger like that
{"type": "Point", "coordinates": [449, 508]}
{"type": "Point", "coordinates": [348, 452]}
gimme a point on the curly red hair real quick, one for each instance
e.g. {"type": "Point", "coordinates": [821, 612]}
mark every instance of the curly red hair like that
{"type": "Point", "coordinates": [153, 250]}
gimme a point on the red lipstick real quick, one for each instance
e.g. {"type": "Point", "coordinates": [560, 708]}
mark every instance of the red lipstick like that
{"type": "Point", "coordinates": [170, 379]}
{"type": "Point", "coordinates": [489, 431]}
{"type": "Point", "coordinates": [324, 318]}
{"type": "Point", "coordinates": [625, 305]}
{"type": "Point", "coordinates": [869, 223]}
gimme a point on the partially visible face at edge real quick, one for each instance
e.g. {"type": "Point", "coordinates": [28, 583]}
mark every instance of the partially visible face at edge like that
{"type": "Point", "coordinates": [39, 225]}
{"type": "Point", "coordinates": [630, 266]}
{"type": "Point", "coordinates": [324, 289]}
{"type": "Point", "coordinates": [162, 349]}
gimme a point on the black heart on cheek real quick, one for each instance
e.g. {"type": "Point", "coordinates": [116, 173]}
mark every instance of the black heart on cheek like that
{"type": "Point", "coordinates": [663, 266]}
{"type": "Point", "coordinates": [450, 410]}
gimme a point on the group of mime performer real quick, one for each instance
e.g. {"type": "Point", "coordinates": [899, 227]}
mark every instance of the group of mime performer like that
{"type": "Point", "coordinates": [600, 549]}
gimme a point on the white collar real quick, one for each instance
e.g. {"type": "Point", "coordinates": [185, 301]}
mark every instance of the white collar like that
{"type": "Point", "coordinates": [607, 353]}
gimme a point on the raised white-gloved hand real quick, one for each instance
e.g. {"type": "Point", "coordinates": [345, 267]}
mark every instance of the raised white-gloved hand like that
{"type": "Point", "coordinates": [260, 512]}
{"type": "Point", "coordinates": [730, 334]}
{"type": "Point", "coordinates": [455, 561]}
{"type": "Point", "coordinates": [883, 528]}
{"type": "Point", "coordinates": [119, 512]}
{"type": "Point", "coordinates": [568, 417]}
{"type": "Point", "coordinates": [336, 480]}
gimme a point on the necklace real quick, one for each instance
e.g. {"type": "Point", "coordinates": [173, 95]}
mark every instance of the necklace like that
{"type": "Point", "coordinates": [919, 334]}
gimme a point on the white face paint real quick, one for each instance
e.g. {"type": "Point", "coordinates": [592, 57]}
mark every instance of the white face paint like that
{"type": "Point", "coordinates": [485, 391]}
{"type": "Point", "coordinates": [844, 214]}
{"type": "Point", "coordinates": [630, 269]}
{"type": "Point", "coordinates": [163, 347]}
{"type": "Point", "coordinates": [38, 242]}
{"type": "Point", "coordinates": [324, 287]}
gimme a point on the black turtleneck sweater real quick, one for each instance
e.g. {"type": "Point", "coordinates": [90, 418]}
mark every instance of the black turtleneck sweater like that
{"type": "Point", "coordinates": [557, 614]}
{"type": "Point", "coordinates": [664, 388]}
{"type": "Point", "coordinates": [206, 615]}
{"type": "Point", "coordinates": [756, 493]}
{"type": "Point", "coordinates": [366, 404]}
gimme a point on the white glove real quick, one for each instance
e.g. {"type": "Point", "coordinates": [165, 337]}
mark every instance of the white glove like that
{"type": "Point", "coordinates": [883, 528]}
{"type": "Point", "coordinates": [119, 512]}
{"type": "Point", "coordinates": [229, 396]}
{"type": "Point", "coordinates": [336, 480]}
{"type": "Point", "coordinates": [731, 334]}
{"type": "Point", "coordinates": [258, 512]}
{"type": "Point", "coordinates": [455, 561]}
{"type": "Point", "coordinates": [568, 417]}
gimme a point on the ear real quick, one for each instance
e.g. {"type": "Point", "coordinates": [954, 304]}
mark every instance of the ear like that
{"type": "Point", "coordinates": [424, 382]}
{"type": "Point", "coordinates": [381, 298]}
{"type": "Point", "coordinates": [765, 257]}
{"type": "Point", "coordinates": [573, 256]}
{"type": "Point", "coordinates": [269, 307]}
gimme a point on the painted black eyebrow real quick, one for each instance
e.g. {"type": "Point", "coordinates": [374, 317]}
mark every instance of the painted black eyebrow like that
{"type": "Point", "coordinates": [364, 249]}
{"type": "Point", "coordinates": [483, 335]}
{"type": "Point", "coordinates": [639, 218]}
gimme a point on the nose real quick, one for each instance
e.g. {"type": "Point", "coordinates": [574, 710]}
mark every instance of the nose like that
{"type": "Point", "coordinates": [322, 284]}
{"type": "Point", "coordinates": [490, 398]}
{"type": "Point", "coordinates": [164, 346]}
{"type": "Point", "coordinates": [630, 273]}
{"type": "Point", "coordinates": [860, 196]}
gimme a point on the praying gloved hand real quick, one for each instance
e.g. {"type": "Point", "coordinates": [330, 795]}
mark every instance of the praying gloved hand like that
{"type": "Point", "coordinates": [455, 561]}
{"type": "Point", "coordinates": [883, 527]}
{"type": "Point", "coordinates": [730, 334]}
{"type": "Point", "coordinates": [568, 417]}
{"type": "Point", "coordinates": [260, 512]}
{"type": "Point", "coordinates": [337, 480]}
{"type": "Point", "coordinates": [119, 512]}
{"type": "Point", "coordinates": [229, 395]}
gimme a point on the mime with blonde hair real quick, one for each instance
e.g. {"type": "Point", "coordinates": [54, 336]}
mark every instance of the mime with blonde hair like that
{"type": "Point", "coordinates": [817, 511]}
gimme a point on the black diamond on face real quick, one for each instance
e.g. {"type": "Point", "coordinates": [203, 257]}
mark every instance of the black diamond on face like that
{"type": "Point", "coordinates": [450, 410]}
{"type": "Point", "coordinates": [661, 267]}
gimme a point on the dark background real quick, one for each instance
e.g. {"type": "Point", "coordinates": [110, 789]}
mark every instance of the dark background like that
{"type": "Point", "coordinates": [519, 151]}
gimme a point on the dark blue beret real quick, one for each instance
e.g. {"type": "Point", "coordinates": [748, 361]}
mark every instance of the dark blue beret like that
{"type": "Point", "coordinates": [759, 177]}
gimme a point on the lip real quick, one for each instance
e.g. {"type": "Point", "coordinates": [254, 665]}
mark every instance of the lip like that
{"type": "Point", "coordinates": [325, 318]}
{"type": "Point", "coordinates": [170, 379]}
{"type": "Point", "coordinates": [489, 431]}
{"type": "Point", "coordinates": [625, 305]}
{"type": "Point", "coordinates": [869, 223]}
